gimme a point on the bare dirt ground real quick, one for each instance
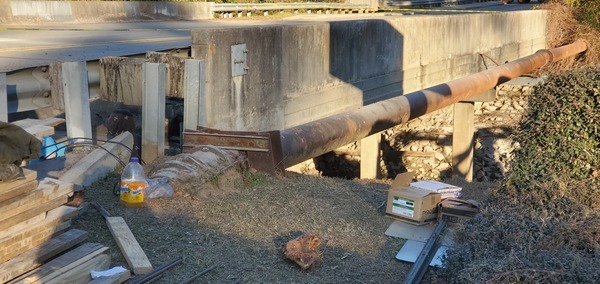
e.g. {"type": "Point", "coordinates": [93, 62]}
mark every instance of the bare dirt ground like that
{"type": "Point", "coordinates": [239, 222]}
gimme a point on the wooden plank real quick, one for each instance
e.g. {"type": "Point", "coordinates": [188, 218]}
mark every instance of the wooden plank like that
{"type": "Point", "coordinates": [38, 255]}
{"type": "Point", "coordinates": [23, 225]}
{"type": "Point", "coordinates": [98, 163]}
{"type": "Point", "coordinates": [115, 279]}
{"type": "Point", "coordinates": [10, 192]}
{"type": "Point", "coordinates": [62, 263]}
{"type": "Point", "coordinates": [40, 131]}
{"type": "Point", "coordinates": [26, 215]}
{"type": "Point", "coordinates": [18, 247]}
{"type": "Point", "coordinates": [3, 98]}
{"type": "Point", "coordinates": [369, 156]}
{"type": "Point", "coordinates": [81, 273]}
{"type": "Point", "coordinates": [29, 122]}
{"type": "Point", "coordinates": [56, 221]}
{"type": "Point", "coordinates": [28, 175]}
{"type": "Point", "coordinates": [463, 140]}
{"type": "Point", "coordinates": [131, 249]}
{"type": "Point", "coordinates": [48, 189]}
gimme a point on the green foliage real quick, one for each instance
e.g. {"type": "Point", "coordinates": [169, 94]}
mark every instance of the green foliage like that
{"type": "Point", "coordinates": [561, 134]}
{"type": "Point", "coordinates": [588, 12]}
{"type": "Point", "coordinates": [254, 179]}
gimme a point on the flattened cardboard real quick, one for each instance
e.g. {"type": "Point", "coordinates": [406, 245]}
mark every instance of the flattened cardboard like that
{"type": "Point", "coordinates": [409, 204]}
{"type": "Point", "coordinates": [408, 231]}
{"type": "Point", "coordinates": [446, 190]}
{"type": "Point", "coordinates": [411, 250]}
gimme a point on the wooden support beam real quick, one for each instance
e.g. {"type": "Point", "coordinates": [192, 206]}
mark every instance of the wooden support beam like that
{"type": "Point", "coordinates": [153, 111]}
{"type": "Point", "coordinates": [38, 255]}
{"type": "Point", "coordinates": [3, 98]}
{"type": "Point", "coordinates": [132, 251]}
{"type": "Point", "coordinates": [194, 113]}
{"type": "Point", "coordinates": [76, 99]}
{"type": "Point", "coordinates": [462, 140]}
{"type": "Point", "coordinates": [369, 156]}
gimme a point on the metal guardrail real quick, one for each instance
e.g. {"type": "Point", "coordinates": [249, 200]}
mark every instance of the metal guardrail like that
{"type": "Point", "coordinates": [251, 7]}
{"type": "Point", "coordinates": [248, 7]}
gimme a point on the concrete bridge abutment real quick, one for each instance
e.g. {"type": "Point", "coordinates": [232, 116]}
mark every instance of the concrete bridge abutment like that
{"type": "Point", "coordinates": [300, 72]}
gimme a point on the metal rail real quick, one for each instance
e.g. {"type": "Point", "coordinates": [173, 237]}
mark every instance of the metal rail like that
{"type": "Point", "coordinates": [285, 6]}
{"type": "Point", "coordinates": [248, 7]}
{"type": "Point", "coordinates": [321, 136]}
{"type": "Point", "coordinates": [30, 88]}
{"type": "Point", "coordinates": [417, 271]}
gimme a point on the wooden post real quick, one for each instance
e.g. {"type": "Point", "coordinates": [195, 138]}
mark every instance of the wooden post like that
{"type": "Point", "coordinates": [74, 79]}
{"type": "Point", "coordinates": [369, 156]}
{"type": "Point", "coordinates": [194, 113]}
{"type": "Point", "coordinates": [121, 79]}
{"type": "Point", "coordinates": [3, 98]}
{"type": "Point", "coordinates": [153, 111]}
{"type": "Point", "coordinates": [462, 140]}
{"type": "Point", "coordinates": [56, 86]}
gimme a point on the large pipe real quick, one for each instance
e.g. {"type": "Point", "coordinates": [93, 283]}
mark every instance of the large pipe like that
{"type": "Point", "coordinates": [318, 137]}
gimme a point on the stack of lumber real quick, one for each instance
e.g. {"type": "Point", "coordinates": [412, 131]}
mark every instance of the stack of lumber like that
{"type": "Point", "coordinates": [34, 228]}
{"type": "Point", "coordinates": [39, 127]}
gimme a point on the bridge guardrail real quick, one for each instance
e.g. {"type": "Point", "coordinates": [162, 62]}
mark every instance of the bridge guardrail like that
{"type": "Point", "coordinates": [248, 7]}
{"type": "Point", "coordinates": [284, 6]}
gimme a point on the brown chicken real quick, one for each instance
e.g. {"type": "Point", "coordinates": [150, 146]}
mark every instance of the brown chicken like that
{"type": "Point", "coordinates": [304, 250]}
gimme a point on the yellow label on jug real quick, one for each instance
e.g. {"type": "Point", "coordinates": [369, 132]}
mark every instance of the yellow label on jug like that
{"type": "Point", "coordinates": [132, 192]}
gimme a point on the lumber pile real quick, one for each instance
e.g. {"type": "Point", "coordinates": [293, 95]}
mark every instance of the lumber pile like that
{"type": "Point", "coordinates": [39, 127]}
{"type": "Point", "coordinates": [35, 228]}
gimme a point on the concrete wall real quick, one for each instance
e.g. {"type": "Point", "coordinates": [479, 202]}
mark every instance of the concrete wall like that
{"type": "Point", "coordinates": [27, 12]}
{"type": "Point", "coordinates": [304, 71]}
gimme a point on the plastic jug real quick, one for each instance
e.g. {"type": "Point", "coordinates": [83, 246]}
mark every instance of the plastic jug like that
{"type": "Point", "coordinates": [133, 184]}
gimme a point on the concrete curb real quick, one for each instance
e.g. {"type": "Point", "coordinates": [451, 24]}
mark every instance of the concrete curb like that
{"type": "Point", "coordinates": [99, 162]}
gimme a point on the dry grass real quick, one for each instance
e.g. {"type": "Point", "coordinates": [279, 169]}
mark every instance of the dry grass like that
{"type": "Point", "coordinates": [563, 28]}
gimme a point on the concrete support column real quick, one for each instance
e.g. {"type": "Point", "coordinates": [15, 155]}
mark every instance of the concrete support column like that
{"type": "Point", "coordinates": [153, 111]}
{"type": "Point", "coordinates": [194, 101]}
{"type": "Point", "coordinates": [369, 156]}
{"type": "Point", "coordinates": [3, 98]}
{"type": "Point", "coordinates": [462, 140]}
{"type": "Point", "coordinates": [76, 92]}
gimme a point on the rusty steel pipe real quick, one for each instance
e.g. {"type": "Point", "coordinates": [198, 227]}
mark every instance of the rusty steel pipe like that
{"type": "Point", "coordinates": [318, 137]}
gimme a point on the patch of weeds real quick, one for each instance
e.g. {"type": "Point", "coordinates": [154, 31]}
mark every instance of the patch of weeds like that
{"type": "Point", "coordinates": [254, 179]}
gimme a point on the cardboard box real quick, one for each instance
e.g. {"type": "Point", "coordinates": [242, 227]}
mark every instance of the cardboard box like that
{"type": "Point", "coordinates": [446, 190]}
{"type": "Point", "coordinates": [455, 210]}
{"type": "Point", "coordinates": [411, 204]}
